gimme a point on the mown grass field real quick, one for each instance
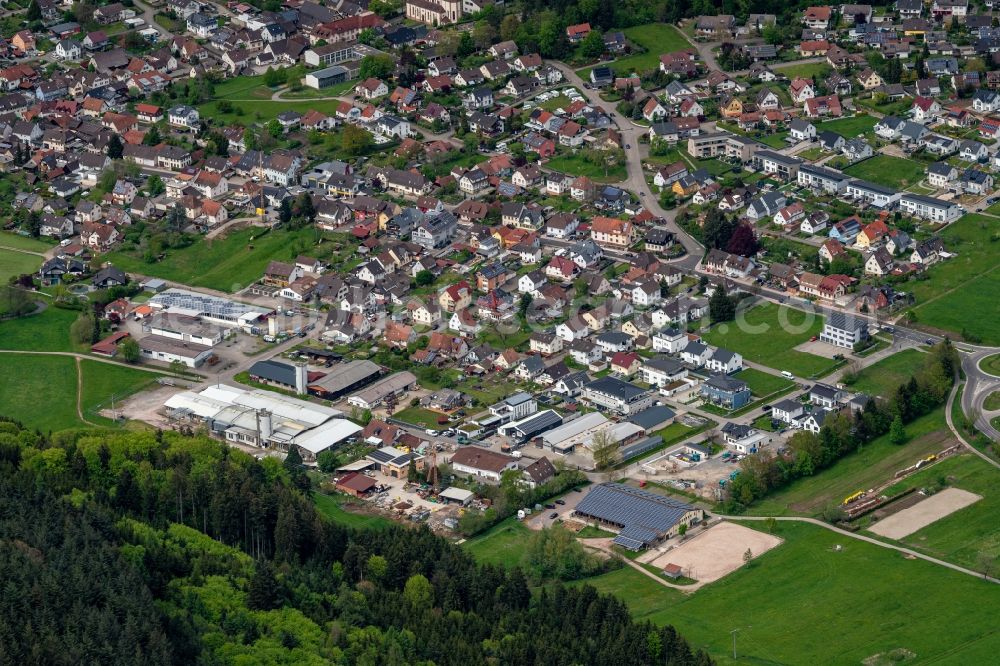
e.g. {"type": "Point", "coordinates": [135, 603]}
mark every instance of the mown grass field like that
{"type": "Point", "coordinates": [20, 242]}
{"type": "Point", "coordinates": [501, 544]}
{"type": "Point", "coordinates": [960, 292]}
{"type": "Point", "coordinates": [849, 127]}
{"type": "Point", "coordinates": [760, 336]}
{"type": "Point", "coordinates": [871, 466]}
{"type": "Point", "coordinates": [14, 263]}
{"type": "Point", "coordinates": [887, 170]}
{"type": "Point", "coordinates": [576, 165]}
{"type": "Point", "coordinates": [331, 506]}
{"type": "Point", "coordinates": [44, 395]}
{"type": "Point", "coordinates": [963, 536]}
{"type": "Point", "coordinates": [806, 70]}
{"type": "Point", "coordinates": [882, 378]}
{"type": "Point", "coordinates": [102, 381]}
{"type": "Point", "coordinates": [47, 331]}
{"type": "Point", "coordinates": [228, 263]}
{"type": "Point", "coordinates": [656, 38]}
{"type": "Point", "coordinates": [419, 416]}
{"type": "Point", "coordinates": [807, 602]}
{"type": "Point", "coordinates": [762, 383]}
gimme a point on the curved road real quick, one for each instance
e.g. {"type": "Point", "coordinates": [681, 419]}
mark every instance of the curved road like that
{"type": "Point", "coordinates": [978, 386]}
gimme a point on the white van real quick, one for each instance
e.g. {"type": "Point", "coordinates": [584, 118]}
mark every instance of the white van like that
{"type": "Point", "coordinates": [787, 375]}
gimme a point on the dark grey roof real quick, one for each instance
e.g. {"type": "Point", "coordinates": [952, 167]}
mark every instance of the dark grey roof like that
{"type": "Point", "coordinates": [274, 371]}
{"type": "Point", "coordinates": [616, 388]}
{"type": "Point", "coordinates": [539, 423]}
{"type": "Point", "coordinates": [642, 516]}
{"type": "Point", "coordinates": [726, 383]}
{"type": "Point", "coordinates": [824, 391]}
{"type": "Point", "coordinates": [652, 416]}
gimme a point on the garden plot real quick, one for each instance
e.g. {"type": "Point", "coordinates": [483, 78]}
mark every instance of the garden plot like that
{"type": "Point", "coordinates": [922, 514]}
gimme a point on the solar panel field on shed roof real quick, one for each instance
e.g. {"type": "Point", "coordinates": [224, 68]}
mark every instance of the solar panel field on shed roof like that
{"type": "Point", "coordinates": [637, 511]}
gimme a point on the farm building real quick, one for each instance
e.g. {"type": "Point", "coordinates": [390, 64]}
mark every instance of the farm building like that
{"type": "Point", "coordinates": [643, 519]}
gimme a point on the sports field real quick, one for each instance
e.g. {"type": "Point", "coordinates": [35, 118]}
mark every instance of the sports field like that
{"type": "Point", "coordinates": [768, 333]}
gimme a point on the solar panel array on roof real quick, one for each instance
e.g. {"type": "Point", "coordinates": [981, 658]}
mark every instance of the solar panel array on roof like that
{"type": "Point", "coordinates": [641, 515]}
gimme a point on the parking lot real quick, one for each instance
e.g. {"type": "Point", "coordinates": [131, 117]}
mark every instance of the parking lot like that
{"type": "Point", "coordinates": [562, 508]}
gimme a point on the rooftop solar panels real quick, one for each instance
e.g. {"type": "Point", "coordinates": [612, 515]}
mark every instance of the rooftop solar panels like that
{"type": "Point", "coordinates": [641, 515]}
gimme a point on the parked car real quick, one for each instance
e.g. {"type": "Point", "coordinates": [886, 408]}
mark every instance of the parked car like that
{"type": "Point", "coordinates": [553, 515]}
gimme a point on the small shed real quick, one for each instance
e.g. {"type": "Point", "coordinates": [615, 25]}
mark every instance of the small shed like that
{"type": "Point", "coordinates": [672, 571]}
{"type": "Point", "coordinates": [356, 484]}
{"type": "Point", "coordinates": [456, 495]}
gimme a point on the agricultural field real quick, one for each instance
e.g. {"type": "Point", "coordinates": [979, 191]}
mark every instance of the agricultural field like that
{"type": "Point", "coordinates": [762, 383]}
{"type": "Point", "coordinates": [882, 378]}
{"type": "Point", "coordinates": [46, 331]}
{"type": "Point", "coordinates": [959, 292]}
{"type": "Point", "coordinates": [19, 242]}
{"type": "Point", "coordinates": [501, 544]}
{"type": "Point", "coordinates": [964, 536]}
{"type": "Point", "coordinates": [759, 337]}
{"type": "Point", "coordinates": [14, 263]}
{"type": "Point", "coordinates": [905, 602]}
{"type": "Point", "coordinates": [887, 170]}
{"type": "Point", "coordinates": [873, 465]}
{"type": "Point", "coordinates": [656, 38]}
{"type": "Point", "coordinates": [576, 165]}
{"type": "Point", "coordinates": [332, 506]}
{"type": "Point", "coordinates": [55, 378]}
{"type": "Point", "coordinates": [228, 263]}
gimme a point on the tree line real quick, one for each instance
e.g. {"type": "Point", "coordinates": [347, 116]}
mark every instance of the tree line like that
{"type": "Point", "coordinates": [846, 432]}
{"type": "Point", "coordinates": [159, 548]}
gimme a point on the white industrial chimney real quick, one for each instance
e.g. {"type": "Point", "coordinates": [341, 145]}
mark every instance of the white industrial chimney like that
{"type": "Point", "coordinates": [272, 326]}
{"type": "Point", "coordinates": [264, 428]}
{"type": "Point", "coordinates": [301, 378]}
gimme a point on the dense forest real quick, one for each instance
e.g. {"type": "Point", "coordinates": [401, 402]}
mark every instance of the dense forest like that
{"type": "Point", "coordinates": [154, 548]}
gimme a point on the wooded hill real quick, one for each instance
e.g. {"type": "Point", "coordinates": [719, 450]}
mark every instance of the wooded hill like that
{"type": "Point", "coordinates": [154, 548]}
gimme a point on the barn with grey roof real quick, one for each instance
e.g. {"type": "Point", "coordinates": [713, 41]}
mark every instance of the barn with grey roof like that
{"type": "Point", "coordinates": [643, 519]}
